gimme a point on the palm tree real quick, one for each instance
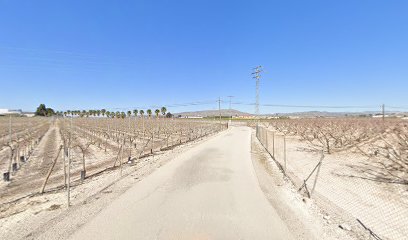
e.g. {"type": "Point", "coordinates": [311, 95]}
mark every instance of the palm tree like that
{"type": "Point", "coordinates": [135, 112]}
{"type": "Point", "coordinates": [107, 113]}
{"type": "Point", "coordinates": [123, 115]}
{"type": "Point", "coordinates": [117, 114]}
{"type": "Point", "coordinates": [103, 111]}
{"type": "Point", "coordinates": [129, 113]}
{"type": "Point", "coordinates": [141, 113]}
{"type": "Point", "coordinates": [157, 111]}
{"type": "Point", "coordinates": [149, 112]}
{"type": "Point", "coordinates": [163, 111]}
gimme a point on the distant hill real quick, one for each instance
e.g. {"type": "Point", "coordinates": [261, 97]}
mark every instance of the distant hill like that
{"type": "Point", "coordinates": [233, 112]}
{"type": "Point", "coordinates": [333, 114]}
{"type": "Point", "coordinates": [212, 113]}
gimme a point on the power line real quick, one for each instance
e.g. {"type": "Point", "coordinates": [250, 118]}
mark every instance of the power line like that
{"type": "Point", "coordinates": [231, 103]}
{"type": "Point", "coordinates": [304, 106]}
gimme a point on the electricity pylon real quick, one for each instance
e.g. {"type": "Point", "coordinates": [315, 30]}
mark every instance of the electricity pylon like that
{"type": "Point", "coordinates": [257, 75]}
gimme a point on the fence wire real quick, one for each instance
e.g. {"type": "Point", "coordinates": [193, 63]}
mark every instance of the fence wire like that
{"type": "Point", "coordinates": [338, 180]}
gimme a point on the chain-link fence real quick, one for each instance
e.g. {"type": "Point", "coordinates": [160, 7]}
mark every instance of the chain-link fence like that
{"type": "Point", "coordinates": [339, 181]}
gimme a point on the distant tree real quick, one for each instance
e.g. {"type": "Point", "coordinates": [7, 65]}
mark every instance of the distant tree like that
{"type": "Point", "coordinates": [117, 114]}
{"type": "Point", "coordinates": [107, 113]}
{"type": "Point", "coordinates": [50, 112]}
{"type": "Point", "coordinates": [169, 115]}
{"type": "Point", "coordinates": [129, 113]}
{"type": "Point", "coordinates": [42, 110]}
{"type": "Point", "coordinates": [103, 111]}
{"type": "Point", "coordinates": [98, 112]}
{"type": "Point", "coordinates": [163, 110]}
{"type": "Point", "coordinates": [157, 112]}
{"type": "Point", "coordinates": [135, 112]}
{"type": "Point", "coordinates": [149, 112]}
{"type": "Point", "coordinates": [123, 115]}
{"type": "Point", "coordinates": [141, 113]}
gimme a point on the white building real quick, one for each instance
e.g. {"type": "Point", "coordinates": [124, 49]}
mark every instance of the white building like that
{"type": "Point", "coordinates": [10, 112]}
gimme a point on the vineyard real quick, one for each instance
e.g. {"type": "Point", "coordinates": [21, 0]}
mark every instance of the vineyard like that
{"type": "Point", "coordinates": [44, 154]}
{"type": "Point", "coordinates": [356, 167]}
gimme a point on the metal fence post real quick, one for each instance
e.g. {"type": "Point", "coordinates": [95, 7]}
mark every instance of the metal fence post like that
{"type": "Point", "coordinates": [273, 144]}
{"type": "Point", "coordinates": [317, 173]}
{"type": "Point", "coordinates": [284, 151]}
{"type": "Point", "coordinates": [266, 140]}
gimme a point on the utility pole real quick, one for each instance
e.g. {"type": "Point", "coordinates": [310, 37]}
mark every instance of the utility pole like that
{"type": "Point", "coordinates": [383, 112]}
{"type": "Point", "coordinates": [257, 75]}
{"type": "Point", "coordinates": [219, 110]}
{"type": "Point", "coordinates": [230, 97]}
{"type": "Point", "coordinates": [10, 129]}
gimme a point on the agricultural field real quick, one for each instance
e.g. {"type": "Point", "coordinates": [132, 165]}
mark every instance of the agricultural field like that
{"type": "Point", "coordinates": [36, 152]}
{"type": "Point", "coordinates": [355, 167]}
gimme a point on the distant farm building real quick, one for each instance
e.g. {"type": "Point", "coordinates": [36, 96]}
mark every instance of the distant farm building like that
{"type": "Point", "coordinates": [4, 112]}
{"type": "Point", "coordinates": [18, 112]}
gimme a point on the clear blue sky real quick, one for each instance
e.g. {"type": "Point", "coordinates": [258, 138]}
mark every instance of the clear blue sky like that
{"type": "Point", "coordinates": [107, 54]}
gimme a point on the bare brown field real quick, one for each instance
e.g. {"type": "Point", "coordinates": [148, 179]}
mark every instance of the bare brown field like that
{"type": "Point", "coordinates": [43, 147]}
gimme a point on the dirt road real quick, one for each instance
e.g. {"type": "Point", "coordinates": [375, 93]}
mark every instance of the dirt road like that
{"type": "Point", "coordinates": [208, 192]}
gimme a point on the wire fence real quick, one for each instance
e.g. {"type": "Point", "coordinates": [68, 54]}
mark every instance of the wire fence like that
{"type": "Point", "coordinates": [336, 181]}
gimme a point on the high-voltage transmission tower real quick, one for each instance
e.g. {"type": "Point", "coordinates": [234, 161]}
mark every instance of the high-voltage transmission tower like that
{"type": "Point", "coordinates": [257, 75]}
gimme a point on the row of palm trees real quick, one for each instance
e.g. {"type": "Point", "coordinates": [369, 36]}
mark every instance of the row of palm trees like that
{"type": "Point", "coordinates": [117, 114]}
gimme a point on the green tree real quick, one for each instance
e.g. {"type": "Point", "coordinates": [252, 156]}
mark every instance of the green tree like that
{"type": "Point", "coordinates": [129, 113]}
{"type": "Point", "coordinates": [135, 112]}
{"type": "Point", "coordinates": [41, 110]}
{"type": "Point", "coordinates": [141, 113]}
{"type": "Point", "coordinates": [50, 112]}
{"type": "Point", "coordinates": [149, 112]}
{"type": "Point", "coordinates": [157, 112]}
{"type": "Point", "coordinates": [163, 110]}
